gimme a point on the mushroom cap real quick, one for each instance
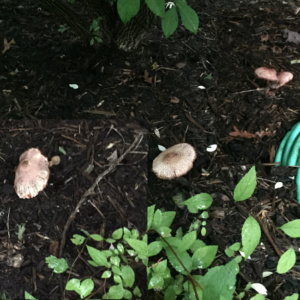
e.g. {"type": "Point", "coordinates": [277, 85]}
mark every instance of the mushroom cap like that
{"type": "Point", "coordinates": [32, 174]}
{"type": "Point", "coordinates": [266, 73]}
{"type": "Point", "coordinates": [283, 78]}
{"type": "Point", "coordinates": [174, 162]}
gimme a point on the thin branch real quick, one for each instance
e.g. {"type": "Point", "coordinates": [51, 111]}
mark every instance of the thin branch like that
{"type": "Point", "coordinates": [90, 191]}
{"type": "Point", "coordinates": [191, 278]}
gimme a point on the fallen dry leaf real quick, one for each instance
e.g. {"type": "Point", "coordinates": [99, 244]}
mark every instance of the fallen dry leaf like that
{"type": "Point", "coordinates": [272, 153]}
{"type": "Point", "coordinates": [291, 36]}
{"type": "Point", "coordinates": [181, 65]}
{"type": "Point", "coordinates": [242, 134]}
{"type": "Point", "coordinates": [6, 44]}
{"type": "Point", "coordinates": [54, 247]}
{"type": "Point", "coordinates": [174, 100]}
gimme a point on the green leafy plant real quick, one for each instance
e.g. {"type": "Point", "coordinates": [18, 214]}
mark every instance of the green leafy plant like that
{"type": "Point", "coordinates": [125, 246]}
{"type": "Point", "coordinates": [183, 256]}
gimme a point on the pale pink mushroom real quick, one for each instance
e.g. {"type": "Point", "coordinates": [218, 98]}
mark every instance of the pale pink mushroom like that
{"type": "Point", "coordinates": [283, 78]}
{"type": "Point", "coordinates": [275, 80]}
{"type": "Point", "coordinates": [266, 73]}
{"type": "Point", "coordinates": [174, 162]}
{"type": "Point", "coordinates": [32, 174]}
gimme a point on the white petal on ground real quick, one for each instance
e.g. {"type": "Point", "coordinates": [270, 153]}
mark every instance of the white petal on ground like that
{"type": "Point", "coordinates": [278, 185]}
{"type": "Point", "coordinates": [266, 274]}
{"type": "Point", "coordinates": [161, 148]}
{"type": "Point", "coordinates": [156, 131]}
{"type": "Point", "coordinates": [73, 86]}
{"type": "Point", "coordinates": [212, 148]}
{"type": "Point", "coordinates": [259, 288]}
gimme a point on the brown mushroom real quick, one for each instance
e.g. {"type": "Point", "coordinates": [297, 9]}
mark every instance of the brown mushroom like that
{"type": "Point", "coordinates": [174, 162]}
{"type": "Point", "coordinates": [32, 174]}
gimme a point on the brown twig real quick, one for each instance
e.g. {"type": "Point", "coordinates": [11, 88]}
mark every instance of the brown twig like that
{"type": "Point", "coordinates": [90, 191]}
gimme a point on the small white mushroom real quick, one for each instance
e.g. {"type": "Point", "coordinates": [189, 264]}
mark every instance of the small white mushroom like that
{"type": "Point", "coordinates": [174, 162]}
{"type": "Point", "coordinates": [32, 174]}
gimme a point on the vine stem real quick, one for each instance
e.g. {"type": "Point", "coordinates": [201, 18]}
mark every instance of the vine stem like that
{"type": "Point", "coordinates": [190, 277]}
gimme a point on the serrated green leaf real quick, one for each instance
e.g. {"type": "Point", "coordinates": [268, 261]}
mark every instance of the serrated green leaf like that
{"type": "Point", "coordinates": [128, 276]}
{"type": "Point", "coordinates": [286, 261]}
{"type": "Point", "coordinates": [204, 256]}
{"type": "Point", "coordinates": [127, 9]}
{"type": "Point", "coordinates": [157, 7]}
{"type": "Point", "coordinates": [169, 22]}
{"type": "Point", "coordinates": [246, 186]}
{"type": "Point", "coordinates": [97, 256]}
{"type": "Point", "coordinates": [198, 202]}
{"type": "Point", "coordinates": [292, 228]}
{"type": "Point", "coordinates": [59, 265]}
{"type": "Point", "coordinates": [251, 234]}
{"type": "Point", "coordinates": [189, 18]}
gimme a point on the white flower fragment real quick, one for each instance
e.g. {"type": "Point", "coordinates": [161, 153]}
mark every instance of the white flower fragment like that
{"type": "Point", "coordinates": [161, 148]}
{"type": "Point", "coordinates": [201, 87]}
{"type": "Point", "coordinates": [266, 274]}
{"type": "Point", "coordinates": [212, 148]}
{"type": "Point", "coordinates": [73, 86]}
{"type": "Point", "coordinates": [278, 185]}
{"type": "Point", "coordinates": [169, 5]}
{"type": "Point", "coordinates": [259, 288]}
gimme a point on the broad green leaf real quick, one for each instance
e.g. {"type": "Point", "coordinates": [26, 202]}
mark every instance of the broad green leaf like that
{"type": "Point", "coordinates": [116, 292]}
{"type": "Point", "coordinates": [27, 296]}
{"type": "Point", "coordinates": [246, 186]}
{"type": "Point", "coordinates": [189, 18]}
{"type": "Point", "coordinates": [286, 261]}
{"type": "Point", "coordinates": [96, 237]}
{"type": "Point", "coordinates": [157, 7]}
{"type": "Point", "coordinates": [150, 216]}
{"type": "Point", "coordinates": [154, 248]}
{"type": "Point", "coordinates": [164, 231]}
{"type": "Point", "coordinates": [106, 274]}
{"type": "Point", "coordinates": [137, 292]}
{"type": "Point", "coordinates": [117, 234]}
{"type": "Point", "coordinates": [251, 234]}
{"type": "Point", "coordinates": [169, 293]}
{"type": "Point", "coordinates": [196, 245]}
{"type": "Point", "coordinates": [219, 281]}
{"type": "Point", "coordinates": [160, 267]}
{"type": "Point", "coordinates": [232, 249]}
{"type": "Point", "coordinates": [117, 279]}
{"type": "Point", "coordinates": [204, 256]}
{"type": "Point", "coordinates": [188, 240]}
{"type": "Point", "coordinates": [127, 294]}
{"type": "Point", "coordinates": [167, 218]}
{"type": "Point", "coordinates": [110, 241]}
{"type": "Point", "coordinates": [115, 260]}
{"type": "Point", "coordinates": [83, 289]}
{"type": "Point", "coordinates": [169, 22]}
{"type": "Point", "coordinates": [128, 276]}
{"type": "Point", "coordinates": [292, 297]}
{"type": "Point", "coordinates": [97, 256]}
{"type": "Point", "coordinates": [184, 258]}
{"type": "Point", "coordinates": [127, 9]}
{"type": "Point", "coordinates": [156, 223]}
{"type": "Point", "coordinates": [59, 265]}
{"type": "Point", "coordinates": [78, 239]}
{"type": "Point", "coordinates": [140, 247]}
{"type": "Point", "coordinates": [258, 297]}
{"type": "Point", "coordinates": [156, 282]}
{"type": "Point", "coordinates": [292, 228]}
{"type": "Point", "coordinates": [198, 202]}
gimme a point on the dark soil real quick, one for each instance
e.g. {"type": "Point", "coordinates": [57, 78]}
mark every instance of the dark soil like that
{"type": "Point", "coordinates": [90, 147]}
{"type": "Point", "coordinates": [189, 88]}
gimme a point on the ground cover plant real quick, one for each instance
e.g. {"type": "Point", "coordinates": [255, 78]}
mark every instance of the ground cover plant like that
{"type": "Point", "coordinates": [199, 89]}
